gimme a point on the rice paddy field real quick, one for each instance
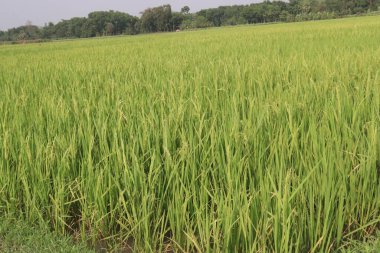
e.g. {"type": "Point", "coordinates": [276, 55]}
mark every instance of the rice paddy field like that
{"type": "Point", "coordinates": [246, 139]}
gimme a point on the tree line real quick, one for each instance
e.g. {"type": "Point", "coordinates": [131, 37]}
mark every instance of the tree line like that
{"type": "Point", "coordinates": [163, 19]}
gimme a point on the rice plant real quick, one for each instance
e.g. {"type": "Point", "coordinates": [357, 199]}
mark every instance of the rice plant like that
{"type": "Point", "coordinates": [246, 139]}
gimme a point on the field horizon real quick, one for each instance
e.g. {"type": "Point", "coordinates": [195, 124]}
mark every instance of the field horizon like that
{"type": "Point", "coordinates": [338, 19]}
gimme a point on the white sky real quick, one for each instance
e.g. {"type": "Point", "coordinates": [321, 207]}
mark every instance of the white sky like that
{"type": "Point", "coordinates": [17, 12]}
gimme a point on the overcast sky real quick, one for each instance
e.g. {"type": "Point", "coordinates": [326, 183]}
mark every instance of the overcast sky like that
{"type": "Point", "coordinates": [17, 12]}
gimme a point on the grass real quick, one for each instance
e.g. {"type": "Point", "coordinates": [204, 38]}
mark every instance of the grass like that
{"type": "Point", "coordinates": [372, 245]}
{"type": "Point", "coordinates": [246, 139]}
{"type": "Point", "coordinates": [19, 237]}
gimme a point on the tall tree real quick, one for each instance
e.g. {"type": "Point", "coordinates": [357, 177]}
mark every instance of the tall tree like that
{"type": "Point", "coordinates": [185, 9]}
{"type": "Point", "coordinates": [157, 19]}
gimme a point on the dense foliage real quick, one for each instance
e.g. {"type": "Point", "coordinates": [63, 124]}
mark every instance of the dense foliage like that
{"type": "Point", "coordinates": [162, 18]}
